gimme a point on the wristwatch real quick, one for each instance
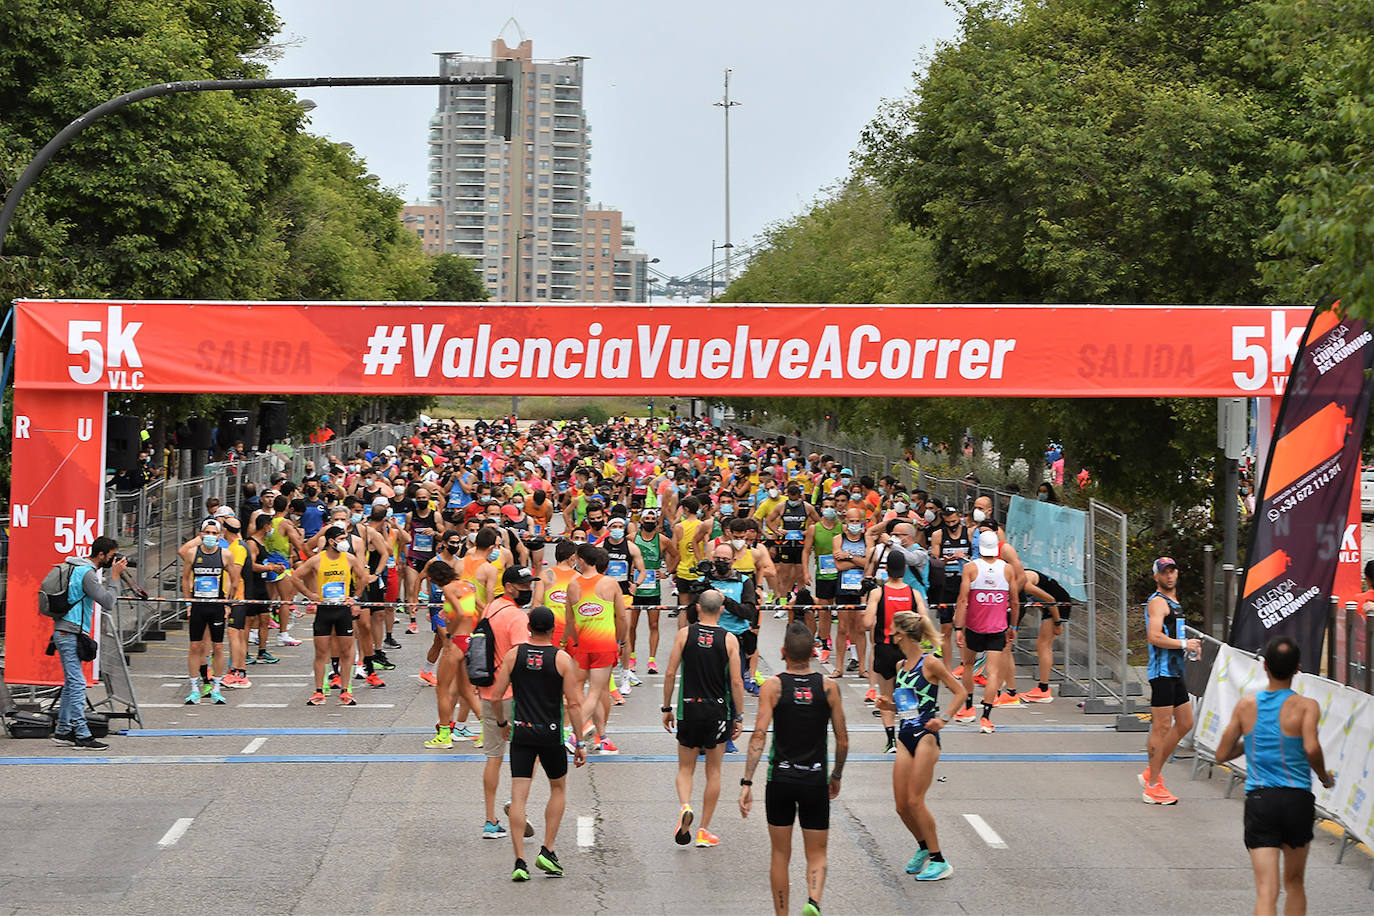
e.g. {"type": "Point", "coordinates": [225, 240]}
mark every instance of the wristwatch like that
{"type": "Point", "coordinates": [665, 709]}
{"type": "Point", "coordinates": [502, 724]}
{"type": "Point", "coordinates": [746, 782]}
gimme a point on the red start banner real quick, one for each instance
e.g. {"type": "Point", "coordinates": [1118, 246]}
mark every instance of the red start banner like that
{"type": "Point", "coordinates": [705, 350]}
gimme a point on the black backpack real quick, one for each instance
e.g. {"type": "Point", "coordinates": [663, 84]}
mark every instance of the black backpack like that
{"type": "Point", "coordinates": [481, 655]}
{"type": "Point", "coordinates": [52, 592]}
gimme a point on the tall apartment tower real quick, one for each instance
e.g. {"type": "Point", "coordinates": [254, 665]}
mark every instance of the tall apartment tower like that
{"type": "Point", "coordinates": [516, 208]}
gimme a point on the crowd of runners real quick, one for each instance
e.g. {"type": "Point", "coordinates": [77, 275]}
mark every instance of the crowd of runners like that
{"type": "Point", "coordinates": [538, 565]}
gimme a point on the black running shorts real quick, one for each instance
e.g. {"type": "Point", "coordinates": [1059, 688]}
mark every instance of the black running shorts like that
{"type": "Point", "coordinates": [702, 733]}
{"type": "Point", "coordinates": [333, 620]}
{"type": "Point", "coordinates": [552, 757]}
{"type": "Point", "coordinates": [207, 617]}
{"type": "Point", "coordinates": [1168, 691]}
{"type": "Point", "coordinates": [985, 642]}
{"type": "Point", "coordinates": [1278, 817]}
{"type": "Point", "coordinates": [885, 659]}
{"type": "Point", "coordinates": [785, 802]}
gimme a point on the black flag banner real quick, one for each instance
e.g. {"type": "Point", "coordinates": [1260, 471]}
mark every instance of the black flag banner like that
{"type": "Point", "coordinates": [1314, 459]}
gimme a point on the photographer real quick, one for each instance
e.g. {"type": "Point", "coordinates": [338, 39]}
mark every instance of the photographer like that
{"type": "Point", "coordinates": [83, 593]}
{"type": "Point", "coordinates": [740, 615]}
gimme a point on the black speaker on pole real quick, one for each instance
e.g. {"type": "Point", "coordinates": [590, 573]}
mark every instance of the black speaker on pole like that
{"type": "Point", "coordinates": [200, 433]}
{"type": "Point", "coordinates": [233, 427]}
{"type": "Point", "coordinates": [122, 442]}
{"type": "Point", "coordinates": [271, 422]}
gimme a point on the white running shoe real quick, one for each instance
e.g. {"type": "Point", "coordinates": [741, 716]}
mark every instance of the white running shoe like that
{"type": "Point", "coordinates": [286, 639]}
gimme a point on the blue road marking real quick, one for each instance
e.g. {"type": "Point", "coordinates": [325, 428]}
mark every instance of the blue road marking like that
{"type": "Point", "coordinates": [479, 758]}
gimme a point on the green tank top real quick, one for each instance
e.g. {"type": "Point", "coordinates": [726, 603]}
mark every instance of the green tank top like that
{"type": "Point", "coordinates": [823, 545]}
{"type": "Point", "coordinates": [275, 541]}
{"type": "Point", "coordinates": [653, 561]}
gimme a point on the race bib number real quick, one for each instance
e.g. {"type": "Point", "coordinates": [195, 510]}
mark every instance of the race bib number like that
{"type": "Point", "coordinates": [650, 579]}
{"type": "Point", "coordinates": [882, 575]}
{"type": "Point", "coordinates": [851, 579]}
{"type": "Point", "coordinates": [424, 543]}
{"type": "Point", "coordinates": [391, 561]}
{"type": "Point", "coordinates": [908, 707]}
{"type": "Point", "coordinates": [206, 587]}
{"type": "Point", "coordinates": [618, 569]}
{"type": "Point", "coordinates": [334, 591]}
{"type": "Point", "coordinates": [826, 563]}
{"type": "Point", "coordinates": [794, 535]}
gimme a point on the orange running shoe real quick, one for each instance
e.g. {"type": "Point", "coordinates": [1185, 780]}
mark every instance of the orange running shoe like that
{"type": "Point", "coordinates": [1158, 795]}
{"type": "Point", "coordinates": [429, 678]}
{"type": "Point", "coordinates": [985, 726]}
{"type": "Point", "coordinates": [870, 696]}
{"type": "Point", "coordinates": [316, 699]}
{"type": "Point", "coordinates": [682, 834]}
{"type": "Point", "coordinates": [706, 839]}
{"type": "Point", "coordinates": [1038, 696]}
{"type": "Point", "coordinates": [1143, 777]}
{"type": "Point", "coordinates": [374, 681]}
{"type": "Point", "coordinates": [965, 716]}
{"type": "Point", "coordinates": [1006, 699]}
{"type": "Point", "coordinates": [346, 699]}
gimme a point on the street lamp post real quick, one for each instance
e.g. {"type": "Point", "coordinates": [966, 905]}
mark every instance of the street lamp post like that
{"type": "Point", "coordinates": [714, 248]}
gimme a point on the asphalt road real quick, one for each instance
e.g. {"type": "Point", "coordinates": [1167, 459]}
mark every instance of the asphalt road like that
{"type": "Point", "coordinates": [269, 805]}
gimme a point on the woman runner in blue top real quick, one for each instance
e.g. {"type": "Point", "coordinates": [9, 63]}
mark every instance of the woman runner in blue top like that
{"type": "Point", "coordinates": [914, 701]}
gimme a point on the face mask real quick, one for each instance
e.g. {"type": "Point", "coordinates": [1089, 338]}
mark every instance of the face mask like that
{"type": "Point", "coordinates": [772, 494]}
{"type": "Point", "coordinates": [750, 468]}
{"type": "Point", "coordinates": [294, 516]}
{"type": "Point", "coordinates": [522, 597]}
{"type": "Point", "coordinates": [828, 514]}
{"type": "Point", "coordinates": [682, 488]}
{"type": "Point", "coordinates": [979, 516]}
{"type": "Point", "coordinates": [722, 568]}
{"type": "Point", "coordinates": [845, 480]}
{"type": "Point", "coordinates": [453, 546]}
{"type": "Point", "coordinates": [648, 526]}
{"type": "Point", "coordinates": [472, 536]}
{"type": "Point", "coordinates": [357, 517]}
{"type": "Point", "coordinates": [209, 541]}
{"type": "Point", "coordinates": [737, 543]}
{"type": "Point", "coordinates": [772, 461]}
{"type": "Point", "coordinates": [494, 554]}
{"type": "Point", "coordinates": [930, 516]}
{"type": "Point", "coordinates": [508, 479]}
{"type": "Point", "coordinates": [341, 545]}
{"type": "Point", "coordinates": [899, 506]}
{"type": "Point", "coordinates": [855, 528]}
{"type": "Point", "coordinates": [595, 524]}
{"type": "Point", "coordinates": [1043, 497]}
{"type": "Point", "coordinates": [617, 534]}
{"type": "Point", "coordinates": [727, 509]}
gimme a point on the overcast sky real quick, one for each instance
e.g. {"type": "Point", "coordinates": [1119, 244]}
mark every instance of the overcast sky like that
{"type": "Point", "coordinates": [808, 75]}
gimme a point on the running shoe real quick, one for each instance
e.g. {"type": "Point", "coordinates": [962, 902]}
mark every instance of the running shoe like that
{"type": "Point", "coordinates": [985, 725]}
{"type": "Point", "coordinates": [812, 908]}
{"type": "Point", "coordinates": [758, 677]}
{"type": "Point", "coordinates": [379, 660]}
{"type": "Point", "coordinates": [617, 698]}
{"type": "Point", "coordinates": [462, 733]}
{"type": "Point", "coordinates": [477, 742]}
{"type": "Point", "coordinates": [89, 743]}
{"type": "Point", "coordinates": [64, 739]}
{"type": "Point", "coordinates": [958, 672]}
{"type": "Point", "coordinates": [249, 660]}
{"type": "Point", "coordinates": [634, 662]}
{"type": "Point", "coordinates": [683, 832]}
{"type": "Point", "coordinates": [252, 637]}
{"type": "Point", "coordinates": [891, 746]}
{"type": "Point", "coordinates": [316, 699]}
{"type": "Point", "coordinates": [825, 656]}
{"type": "Point", "coordinates": [936, 871]}
{"type": "Point", "coordinates": [412, 628]}
{"type": "Point", "coordinates": [359, 673]}
{"type": "Point", "coordinates": [606, 747]}
{"type": "Point", "coordinates": [706, 839]}
{"type": "Point", "coordinates": [965, 716]}
{"type": "Point", "coordinates": [730, 747]}
{"type": "Point", "coordinates": [442, 740]}
{"type": "Point", "coordinates": [852, 665]}
{"type": "Point", "coordinates": [492, 831]}
{"type": "Point", "coordinates": [346, 699]}
{"type": "Point", "coordinates": [205, 689]}
{"type": "Point", "coordinates": [1158, 795]}
{"type": "Point", "coordinates": [627, 688]}
{"type": "Point", "coordinates": [870, 696]}
{"type": "Point", "coordinates": [529, 828]}
{"type": "Point", "coordinates": [335, 682]}
{"type": "Point", "coordinates": [429, 678]}
{"type": "Point", "coordinates": [1143, 777]}
{"type": "Point", "coordinates": [374, 681]}
{"type": "Point", "coordinates": [390, 642]}
{"type": "Point", "coordinates": [1007, 699]}
{"type": "Point", "coordinates": [236, 681]}
{"type": "Point", "coordinates": [750, 687]}
{"type": "Point", "coordinates": [918, 862]}
{"type": "Point", "coordinates": [547, 862]}
{"type": "Point", "coordinates": [569, 743]}
{"type": "Point", "coordinates": [193, 697]}
{"type": "Point", "coordinates": [653, 668]}
{"type": "Point", "coordinates": [980, 681]}
{"type": "Point", "coordinates": [631, 679]}
{"type": "Point", "coordinates": [286, 639]}
{"type": "Point", "coordinates": [520, 872]}
{"type": "Point", "coordinates": [267, 658]}
{"type": "Point", "coordinates": [1038, 696]}
{"type": "Point", "coordinates": [780, 613]}
{"type": "Point", "coordinates": [216, 697]}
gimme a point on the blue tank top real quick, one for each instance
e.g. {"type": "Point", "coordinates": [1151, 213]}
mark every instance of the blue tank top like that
{"type": "Point", "coordinates": [1166, 662]}
{"type": "Point", "coordinates": [915, 697]}
{"type": "Point", "coordinates": [1274, 760]}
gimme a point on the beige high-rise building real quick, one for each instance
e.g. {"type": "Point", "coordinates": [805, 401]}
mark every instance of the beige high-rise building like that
{"type": "Point", "coordinates": [518, 209]}
{"type": "Point", "coordinates": [426, 221]}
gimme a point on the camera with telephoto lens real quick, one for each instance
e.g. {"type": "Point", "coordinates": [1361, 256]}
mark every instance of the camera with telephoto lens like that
{"type": "Point", "coordinates": [132, 563]}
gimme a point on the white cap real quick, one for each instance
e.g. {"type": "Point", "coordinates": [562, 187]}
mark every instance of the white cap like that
{"type": "Point", "coordinates": [380, 501]}
{"type": "Point", "coordinates": [222, 511]}
{"type": "Point", "coordinates": [989, 545]}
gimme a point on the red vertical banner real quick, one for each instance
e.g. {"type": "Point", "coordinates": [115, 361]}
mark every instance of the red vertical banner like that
{"type": "Point", "coordinates": [57, 480]}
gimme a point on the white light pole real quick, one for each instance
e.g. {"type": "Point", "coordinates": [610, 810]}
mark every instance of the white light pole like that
{"type": "Point", "coordinates": [726, 104]}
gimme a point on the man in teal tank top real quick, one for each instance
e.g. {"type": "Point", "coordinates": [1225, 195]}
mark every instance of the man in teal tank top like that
{"type": "Point", "coordinates": [1281, 753]}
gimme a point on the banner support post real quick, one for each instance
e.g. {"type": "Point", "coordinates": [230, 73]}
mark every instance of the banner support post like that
{"type": "Point", "coordinates": [1208, 587]}
{"type": "Point", "coordinates": [1332, 614]}
{"type": "Point", "coordinates": [1228, 599]}
{"type": "Point", "coordinates": [1348, 677]}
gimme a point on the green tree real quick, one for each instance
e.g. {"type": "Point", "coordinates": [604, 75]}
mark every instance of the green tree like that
{"type": "Point", "coordinates": [455, 279]}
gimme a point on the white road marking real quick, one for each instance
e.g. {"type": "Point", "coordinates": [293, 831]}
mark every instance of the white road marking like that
{"type": "Point", "coordinates": [253, 746]}
{"type": "Point", "coordinates": [292, 686]}
{"type": "Point", "coordinates": [161, 705]}
{"type": "Point", "coordinates": [176, 831]}
{"type": "Point", "coordinates": [256, 705]}
{"type": "Point", "coordinates": [173, 685]}
{"type": "Point", "coordinates": [988, 835]}
{"type": "Point", "coordinates": [375, 705]}
{"type": "Point", "coordinates": [586, 831]}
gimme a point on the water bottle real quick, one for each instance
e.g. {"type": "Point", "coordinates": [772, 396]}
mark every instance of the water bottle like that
{"type": "Point", "coordinates": [1183, 635]}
